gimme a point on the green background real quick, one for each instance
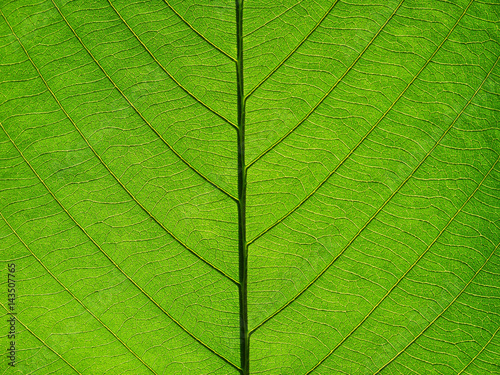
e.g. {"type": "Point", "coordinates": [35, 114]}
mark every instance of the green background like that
{"type": "Point", "coordinates": [372, 210]}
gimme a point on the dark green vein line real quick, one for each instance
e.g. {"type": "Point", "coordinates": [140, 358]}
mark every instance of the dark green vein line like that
{"type": "Point", "coordinates": [440, 314]}
{"type": "Point", "coordinates": [114, 176]}
{"type": "Point", "coordinates": [75, 297]}
{"type": "Point", "coordinates": [242, 200]}
{"type": "Point", "coordinates": [198, 33]}
{"type": "Point", "coordinates": [373, 216]}
{"type": "Point", "coordinates": [139, 113]}
{"type": "Point", "coordinates": [168, 73]}
{"type": "Point", "coordinates": [479, 353]}
{"type": "Point", "coordinates": [369, 131]}
{"type": "Point", "coordinates": [308, 114]}
{"type": "Point", "coordinates": [291, 52]}
{"type": "Point", "coordinates": [407, 271]}
{"type": "Point", "coordinates": [39, 339]}
{"type": "Point", "coordinates": [111, 259]}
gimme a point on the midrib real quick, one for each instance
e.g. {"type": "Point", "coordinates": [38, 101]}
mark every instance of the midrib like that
{"type": "Point", "coordinates": [242, 187]}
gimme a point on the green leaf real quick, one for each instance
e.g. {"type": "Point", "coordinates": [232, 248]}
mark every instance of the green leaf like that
{"type": "Point", "coordinates": [250, 187]}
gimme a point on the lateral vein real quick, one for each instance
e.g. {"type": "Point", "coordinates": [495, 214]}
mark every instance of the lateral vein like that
{"type": "Point", "coordinates": [198, 33]}
{"type": "Point", "coordinates": [139, 113]}
{"type": "Point", "coordinates": [292, 51]}
{"type": "Point", "coordinates": [168, 73]}
{"type": "Point", "coordinates": [76, 299]}
{"type": "Point", "coordinates": [43, 342]}
{"type": "Point", "coordinates": [313, 109]}
{"type": "Point", "coordinates": [479, 353]}
{"type": "Point", "coordinates": [366, 135]}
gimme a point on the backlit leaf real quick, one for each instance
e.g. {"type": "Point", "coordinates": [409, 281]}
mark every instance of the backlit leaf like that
{"type": "Point", "coordinates": [250, 186]}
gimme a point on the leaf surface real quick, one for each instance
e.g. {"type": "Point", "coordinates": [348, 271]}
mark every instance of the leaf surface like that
{"type": "Point", "coordinates": [254, 187]}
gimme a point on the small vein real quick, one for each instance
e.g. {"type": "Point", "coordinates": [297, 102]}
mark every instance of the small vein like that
{"type": "Point", "coordinates": [198, 33]}
{"type": "Point", "coordinates": [273, 19]}
{"type": "Point", "coordinates": [367, 134]}
{"type": "Point", "coordinates": [329, 91]}
{"type": "Point", "coordinates": [376, 212]}
{"type": "Point", "coordinates": [168, 73]}
{"type": "Point", "coordinates": [441, 313]}
{"type": "Point", "coordinates": [139, 113]}
{"type": "Point", "coordinates": [75, 297]}
{"type": "Point", "coordinates": [111, 259]}
{"type": "Point", "coordinates": [291, 52]}
{"type": "Point", "coordinates": [407, 271]}
{"type": "Point", "coordinates": [482, 349]}
{"type": "Point", "coordinates": [39, 339]}
{"type": "Point", "coordinates": [114, 176]}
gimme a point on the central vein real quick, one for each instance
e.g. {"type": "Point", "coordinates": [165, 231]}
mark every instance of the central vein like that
{"type": "Point", "coordinates": [242, 198]}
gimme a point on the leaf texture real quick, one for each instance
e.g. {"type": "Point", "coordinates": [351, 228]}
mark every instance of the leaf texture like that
{"type": "Point", "coordinates": [251, 187]}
